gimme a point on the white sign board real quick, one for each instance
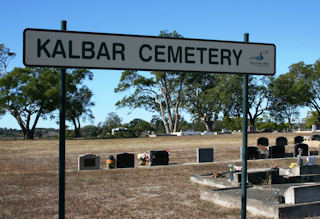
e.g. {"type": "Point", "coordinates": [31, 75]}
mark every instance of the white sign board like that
{"type": "Point", "coordinates": [53, 48]}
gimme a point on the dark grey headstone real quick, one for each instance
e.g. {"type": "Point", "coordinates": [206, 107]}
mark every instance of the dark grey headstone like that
{"type": "Point", "coordinates": [125, 160]}
{"type": "Point", "coordinates": [253, 153]}
{"type": "Point", "coordinates": [159, 158]}
{"type": "Point", "coordinates": [277, 151]}
{"type": "Point", "coordinates": [298, 139]}
{"type": "Point", "coordinates": [263, 141]}
{"type": "Point", "coordinates": [304, 147]}
{"type": "Point", "coordinates": [281, 141]}
{"type": "Point", "coordinates": [204, 155]}
{"type": "Point", "coordinates": [314, 153]}
{"type": "Point", "coordinates": [315, 137]}
{"type": "Point", "coordinates": [89, 162]}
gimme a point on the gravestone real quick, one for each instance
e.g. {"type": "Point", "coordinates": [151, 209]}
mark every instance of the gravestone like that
{"type": "Point", "coordinates": [253, 153]}
{"type": "Point", "coordinates": [315, 137]}
{"type": "Point", "coordinates": [298, 139]}
{"type": "Point", "coordinates": [281, 141]}
{"type": "Point", "coordinates": [315, 153]}
{"type": "Point", "coordinates": [89, 162]}
{"type": "Point", "coordinates": [204, 155]}
{"type": "Point", "coordinates": [304, 147]}
{"type": "Point", "coordinates": [277, 151]}
{"type": "Point", "coordinates": [125, 160]}
{"type": "Point", "coordinates": [302, 194]}
{"type": "Point", "coordinates": [159, 158]}
{"type": "Point", "coordinates": [263, 141]}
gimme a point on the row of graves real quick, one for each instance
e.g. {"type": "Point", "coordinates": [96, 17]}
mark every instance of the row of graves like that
{"type": "Point", "coordinates": [127, 160]}
{"type": "Point", "coordinates": [263, 150]}
{"type": "Point", "coordinates": [154, 158]}
{"type": "Point", "coordinates": [291, 192]}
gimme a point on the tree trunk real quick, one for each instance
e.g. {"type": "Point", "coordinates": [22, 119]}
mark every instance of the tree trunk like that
{"type": "Point", "coordinates": [164, 121]}
{"type": "Point", "coordinates": [207, 125]}
{"type": "Point", "coordinates": [207, 122]}
{"type": "Point", "coordinates": [77, 132]}
{"type": "Point", "coordinates": [30, 134]}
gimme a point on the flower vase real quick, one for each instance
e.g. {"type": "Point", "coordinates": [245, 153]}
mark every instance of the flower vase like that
{"type": "Point", "coordinates": [142, 162]}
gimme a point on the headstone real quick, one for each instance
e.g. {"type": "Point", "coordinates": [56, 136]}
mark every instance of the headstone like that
{"type": "Point", "coordinates": [302, 194]}
{"type": "Point", "coordinates": [314, 128]}
{"type": "Point", "coordinates": [125, 160]}
{"type": "Point", "coordinates": [89, 162]}
{"type": "Point", "coordinates": [277, 151]}
{"type": "Point", "coordinates": [304, 148]}
{"type": "Point", "coordinates": [315, 137]}
{"type": "Point", "coordinates": [204, 155]}
{"type": "Point", "coordinates": [263, 141]}
{"type": "Point", "coordinates": [159, 158]}
{"type": "Point", "coordinates": [305, 170]}
{"type": "Point", "coordinates": [298, 139]}
{"type": "Point", "coordinates": [314, 153]}
{"type": "Point", "coordinates": [253, 153]}
{"type": "Point", "coordinates": [281, 141]}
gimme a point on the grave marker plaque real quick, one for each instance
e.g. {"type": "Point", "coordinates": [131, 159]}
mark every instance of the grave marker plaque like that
{"type": "Point", "coordinates": [304, 148]}
{"type": "Point", "coordinates": [281, 141]}
{"type": "Point", "coordinates": [125, 160]}
{"type": "Point", "coordinates": [204, 155]}
{"type": "Point", "coordinates": [315, 137]}
{"type": "Point", "coordinates": [89, 162]}
{"type": "Point", "coordinates": [298, 139]}
{"type": "Point", "coordinates": [263, 141]}
{"type": "Point", "coordinates": [159, 158]}
{"type": "Point", "coordinates": [253, 153]}
{"type": "Point", "coordinates": [277, 151]}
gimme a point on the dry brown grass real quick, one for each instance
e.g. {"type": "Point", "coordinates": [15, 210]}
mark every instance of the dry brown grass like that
{"type": "Point", "coordinates": [29, 178]}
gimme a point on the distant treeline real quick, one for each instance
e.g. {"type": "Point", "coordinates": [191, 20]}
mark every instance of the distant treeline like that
{"type": "Point", "coordinates": [47, 133]}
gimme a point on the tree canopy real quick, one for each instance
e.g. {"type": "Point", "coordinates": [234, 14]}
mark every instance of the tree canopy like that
{"type": "Point", "coordinates": [28, 94]}
{"type": "Point", "coordinates": [78, 98]}
{"type": "Point", "coordinates": [5, 56]}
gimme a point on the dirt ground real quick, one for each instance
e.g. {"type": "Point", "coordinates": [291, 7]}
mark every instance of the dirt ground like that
{"type": "Point", "coordinates": [29, 178]}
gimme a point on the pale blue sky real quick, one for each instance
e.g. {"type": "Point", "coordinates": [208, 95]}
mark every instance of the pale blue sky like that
{"type": "Point", "coordinates": [293, 26]}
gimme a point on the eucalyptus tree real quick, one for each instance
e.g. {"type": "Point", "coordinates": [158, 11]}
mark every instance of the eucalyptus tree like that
{"type": "Point", "coordinates": [5, 56]}
{"type": "Point", "coordinates": [259, 98]}
{"type": "Point", "coordinates": [288, 92]}
{"type": "Point", "coordinates": [160, 92]}
{"type": "Point", "coordinates": [29, 94]}
{"type": "Point", "coordinates": [78, 98]}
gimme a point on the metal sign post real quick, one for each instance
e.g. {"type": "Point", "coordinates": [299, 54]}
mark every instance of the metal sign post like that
{"type": "Point", "coordinates": [62, 140]}
{"type": "Point", "coordinates": [244, 141]}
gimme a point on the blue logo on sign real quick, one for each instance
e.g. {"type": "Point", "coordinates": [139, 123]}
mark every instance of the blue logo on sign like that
{"type": "Point", "coordinates": [260, 56]}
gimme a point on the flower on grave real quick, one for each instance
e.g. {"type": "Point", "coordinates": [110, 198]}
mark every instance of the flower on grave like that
{"type": "Point", "coordinates": [111, 162]}
{"type": "Point", "coordinates": [144, 158]}
{"type": "Point", "coordinates": [293, 165]}
{"type": "Point", "coordinates": [234, 168]}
